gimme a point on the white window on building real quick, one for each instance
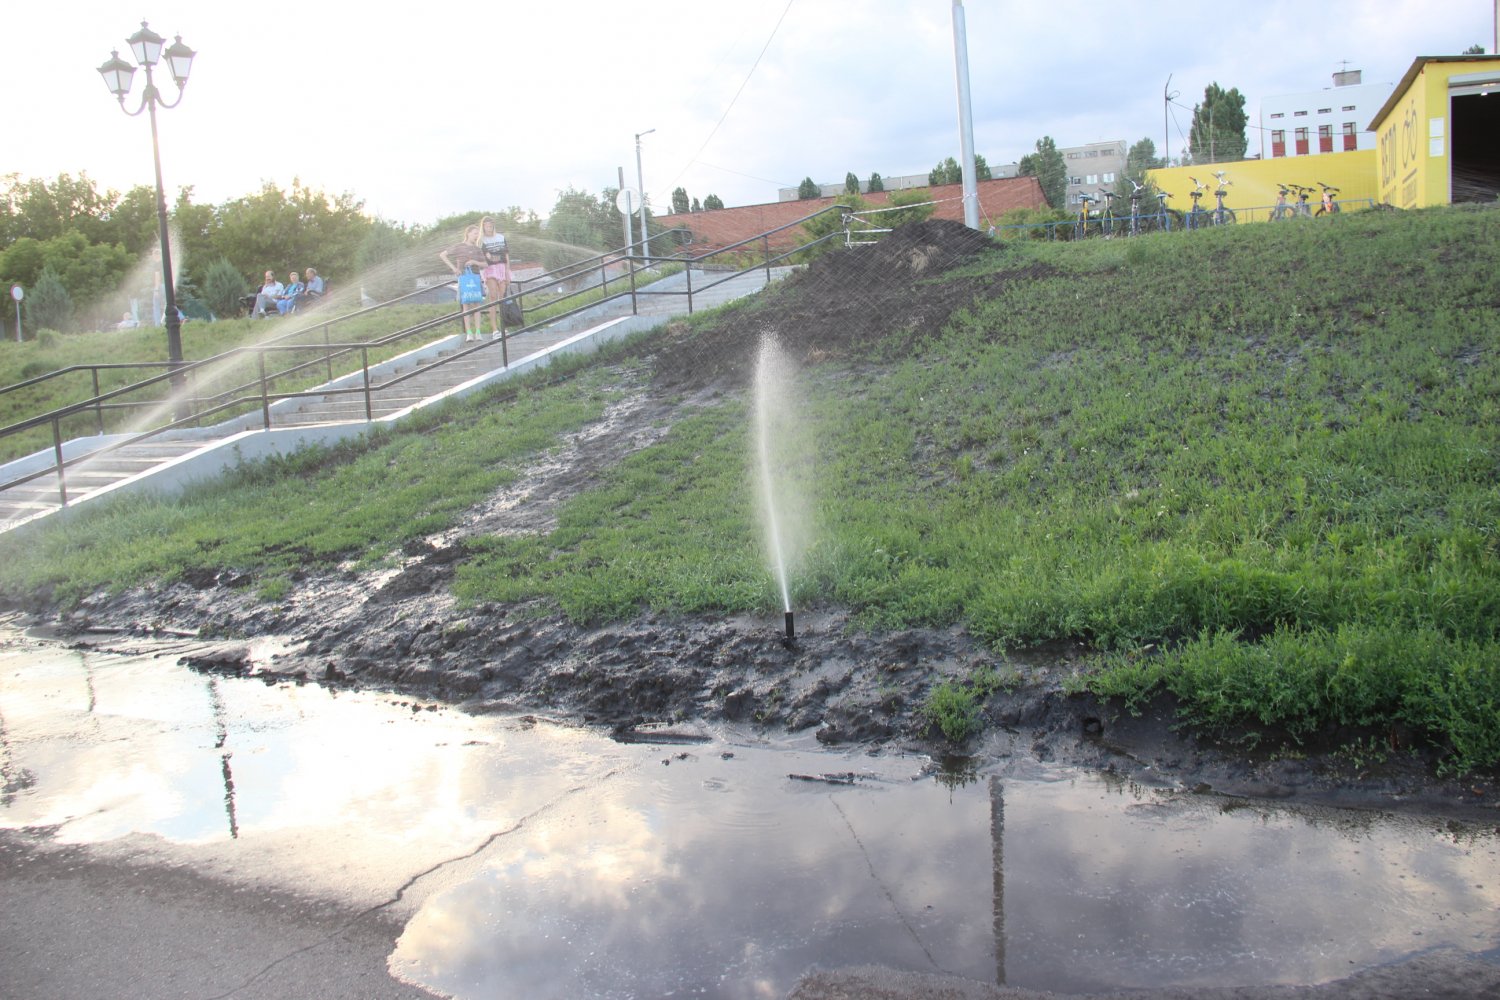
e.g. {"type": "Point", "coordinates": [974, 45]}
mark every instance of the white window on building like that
{"type": "Point", "coordinates": [1299, 114]}
{"type": "Point", "coordinates": [1325, 111]}
{"type": "Point", "coordinates": [1348, 107]}
{"type": "Point", "coordinates": [1279, 114]}
{"type": "Point", "coordinates": [1093, 179]}
{"type": "Point", "coordinates": [1109, 178]}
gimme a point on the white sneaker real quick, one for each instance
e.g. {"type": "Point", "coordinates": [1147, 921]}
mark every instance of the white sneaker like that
{"type": "Point", "coordinates": [468, 338]}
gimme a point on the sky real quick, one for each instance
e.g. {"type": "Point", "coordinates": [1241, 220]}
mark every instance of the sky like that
{"type": "Point", "coordinates": [421, 113]}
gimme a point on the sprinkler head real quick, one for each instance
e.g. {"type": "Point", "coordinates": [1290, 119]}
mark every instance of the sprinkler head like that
{"type": "Point", "coordinates": [791, 631]}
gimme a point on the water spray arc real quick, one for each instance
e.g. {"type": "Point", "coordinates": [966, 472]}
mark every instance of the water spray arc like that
{"type": "Point", "coordinates": [770, 378]}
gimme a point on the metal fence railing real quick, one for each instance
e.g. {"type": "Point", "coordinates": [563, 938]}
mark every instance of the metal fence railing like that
{"type": "Point", "coordinates": [218, 388]}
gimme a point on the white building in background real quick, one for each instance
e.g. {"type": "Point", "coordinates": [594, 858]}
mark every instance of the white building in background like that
{"type": "Point", "coordinates": [1093, 168]}
{"type": "Point", "coordinates": [1331, 120]}
{"type": "Point", "coordinates": [1090, 167]}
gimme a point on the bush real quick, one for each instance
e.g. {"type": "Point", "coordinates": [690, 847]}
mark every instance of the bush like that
{"type": "Point", "coordinates": [48, 304]}
{"type": "Point", "coordinates": [223, 286]}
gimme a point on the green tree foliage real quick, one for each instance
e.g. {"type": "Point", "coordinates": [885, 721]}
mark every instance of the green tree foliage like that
{"type": "Point", "coordinates": [1141, 158]}
{"type": "Point", "coordinates": [946, 172]}
{"type": "Point", "coordinates": [582, 220]}
{"type": "Point", "coordinates": [697, 206]}
{"type": "Point", "coordinates": [680, 201]}
{"type": "Point", "coordinates": [981, 168]}
{"type": "Point", "coordinates": [808, 189]}
{"type": "Point", "coordinates": [48, 305]}
{"type": "Point", "coordinates": [384, 262]}
{"type": "Point", "coordinates": [877, 183]}
{"type": "Point", "coordinates": [222, 286]}
{"type": "Point", "coordinates": [1474, 50]}
{"type": "Point", "coordinates": [275, 230]}
{"type": "Point", "coordinates": [1050, 169]}
{"type": "Point", "coordinates": [851, 183]}
{"type": "Point", "coordinates": [712, 202]}
{"type": "Point", "coordinates": [915, 206]}
{"type": "Point", "coordinates": [1218, 132]}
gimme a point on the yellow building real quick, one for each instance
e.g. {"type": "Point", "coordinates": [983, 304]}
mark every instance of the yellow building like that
{"type": "Point", "coordinates": [1438, 137]}
{"type": "Point", "coordinates": [1254, 184]}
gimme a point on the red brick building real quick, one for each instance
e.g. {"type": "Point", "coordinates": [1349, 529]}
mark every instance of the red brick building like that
{"type": "Point", "coordinates": [723, 226]}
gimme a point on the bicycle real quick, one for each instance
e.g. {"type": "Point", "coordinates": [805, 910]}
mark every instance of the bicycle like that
{"type": "Point", "coordinates": [1135, 206]}
{"type": "Point", "coordinates": [1081, 227]}
{"type": "Point", "coordinates": [1107, 217]}
{"type": "Point", "coordinates": [1302, 210]}
{"type": "Point", "coordinates": [1330, 203]}
{"type": "Point", "coordinates": [1164, 218]}
{"type": "Point", "coordinates": [1282, 210]}
{"type": "Point", "coordinates": [1197, 217]}
{"type": "Point", "coordinates": [1222, 216]}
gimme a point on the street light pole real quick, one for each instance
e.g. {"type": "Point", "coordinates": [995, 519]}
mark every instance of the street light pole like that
{"type": "Point", "coordinates": [640, 179]}
{"type": "Point", "coordinates": [146, 46]}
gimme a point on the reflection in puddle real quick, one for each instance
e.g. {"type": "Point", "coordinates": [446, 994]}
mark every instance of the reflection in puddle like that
{"type": "Point", "coordinates": [555, 863]}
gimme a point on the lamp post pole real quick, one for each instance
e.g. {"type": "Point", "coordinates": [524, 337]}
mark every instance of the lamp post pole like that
{"type": "Point", "coordinates": [640, 179]}
{"type": "Point", "coordinates": [146, 46]}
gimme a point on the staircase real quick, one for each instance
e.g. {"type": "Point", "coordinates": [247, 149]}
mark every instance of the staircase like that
{"type": "Point", "coordinates": [173, 457]}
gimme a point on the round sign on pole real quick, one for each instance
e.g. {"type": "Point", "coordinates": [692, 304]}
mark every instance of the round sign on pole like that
{"type": "Point", "coordinates": [16, 293]}
{"type": "Point", "coordinates": [626, 201]}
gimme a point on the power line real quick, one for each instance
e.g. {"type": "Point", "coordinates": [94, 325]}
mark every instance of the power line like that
{"type": "Point", "coordinates": [694, 158]}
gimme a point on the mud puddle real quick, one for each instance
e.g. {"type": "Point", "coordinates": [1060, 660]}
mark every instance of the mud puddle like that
{"type": "Point", "coordinates": [526, 858]}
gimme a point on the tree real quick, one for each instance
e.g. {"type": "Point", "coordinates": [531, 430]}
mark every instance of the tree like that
{"type": "Point", "coordinates": [275, 230]}
{"type": "Point", "coordinates": [876, 184]}
{"type": "Point", "coordinates": [1050, 169]}
{"type": "Point", "coordinates": [679, 200]}
{"type": "Point", "coordinates": [712, 202]}
{"type": "Point", "coordinates": [48, 304]}
{"type": "Point", "coordinates": [915, 206]}
{"type": "Point", "coordinates": [1474, 50]}
{"type": "Point", "coordinates": [577, 218]}
{"type": "Point", "coordinates": [1141, 158]}
{"type": "Point", "coordinates": [1218, 133]}
{"type": "Point", "coordinates": [696, 206]}
{"type": "Point", "coordinates": [222, 287]}
{"type": "Point", "coordinates": [851, 183]}
{"type": "Point", "coordinates": [383, 261]}
{"type": "Point", "coordinates": [808, 189]}
{"type": "Point", "coordinates": [981, 168]}
{"type": "Point", "coordinates": [946, 172]}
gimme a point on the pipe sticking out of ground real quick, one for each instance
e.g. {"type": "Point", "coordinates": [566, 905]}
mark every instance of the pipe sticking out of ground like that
{"type": "Point", "coordinates": [791, 631]}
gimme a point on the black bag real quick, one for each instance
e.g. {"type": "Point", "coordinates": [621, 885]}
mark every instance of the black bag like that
{"type": "Point", "coordinates": [511, 314]}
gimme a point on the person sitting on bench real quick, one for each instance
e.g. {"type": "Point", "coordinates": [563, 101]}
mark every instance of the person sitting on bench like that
{"type": "Point", "coordinates": [269, 293]}
{"type": "Point", "coordinates": [287, 300]}
{"type": "Point", "coordinates": [314, 284]}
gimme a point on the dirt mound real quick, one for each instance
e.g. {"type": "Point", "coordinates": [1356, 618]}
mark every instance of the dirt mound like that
{"type": "Point", "coordinates": [852, 297]}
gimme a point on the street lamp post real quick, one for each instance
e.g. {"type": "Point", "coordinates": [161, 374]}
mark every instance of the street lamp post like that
{"type": "Point", "coordinates": [640, 179]}
{"type": "Point", "coordinates": [146, 46]}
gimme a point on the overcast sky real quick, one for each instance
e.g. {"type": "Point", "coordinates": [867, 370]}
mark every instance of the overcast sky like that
{"type": "Point", "coordinates": [422, 111]}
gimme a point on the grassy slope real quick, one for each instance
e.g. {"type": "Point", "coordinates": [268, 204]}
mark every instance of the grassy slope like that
{"type": "Point", "coordinates": [1257, 467]}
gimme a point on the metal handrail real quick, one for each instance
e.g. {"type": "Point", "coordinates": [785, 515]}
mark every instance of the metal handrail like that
{"type": "Point", "coordinates": [258, 391]}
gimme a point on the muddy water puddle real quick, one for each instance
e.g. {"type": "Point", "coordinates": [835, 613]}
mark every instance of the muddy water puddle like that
{"type": "Point", "coordinates": [533, 859]}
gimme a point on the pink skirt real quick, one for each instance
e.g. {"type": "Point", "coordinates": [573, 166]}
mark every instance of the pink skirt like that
{"type": "Point", "coordinates": [497, 271]}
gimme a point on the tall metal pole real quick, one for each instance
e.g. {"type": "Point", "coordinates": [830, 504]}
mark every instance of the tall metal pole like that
{"type": "Point", "coordinates": [965, 117]}
{"type": "Point", "coordinates": [628, 238]}
{"type": "Point", "coordinates": [169, 292]}
{"type": "Point", "coordinates": [641, 180]}
{"type": "Point", "coordinates": [1166, 136]}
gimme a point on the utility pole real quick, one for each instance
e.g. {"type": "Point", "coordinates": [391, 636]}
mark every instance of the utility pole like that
{"type": "Point", "coordinates": [1166, 104]}
{"type": "Point", "coordinates": [966, 116]}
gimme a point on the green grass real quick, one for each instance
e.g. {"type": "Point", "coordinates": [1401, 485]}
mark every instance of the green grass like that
{"type": "Point", "coordinates": [1269, 454]}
